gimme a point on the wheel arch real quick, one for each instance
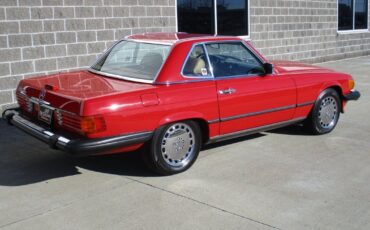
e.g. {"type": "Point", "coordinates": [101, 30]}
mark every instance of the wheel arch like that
{"type": "Point", "coordinates": [331, 84]}
{"type": "Point", "coordinates": [189, 116]}
{"type": "Point", "coordinates": [311, 124]}
{"type": "Point", "coordinates": [338, 89]}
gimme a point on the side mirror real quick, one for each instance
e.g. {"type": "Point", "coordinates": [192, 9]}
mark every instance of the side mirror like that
{"type": "Point", "coordinates": [269, 68]}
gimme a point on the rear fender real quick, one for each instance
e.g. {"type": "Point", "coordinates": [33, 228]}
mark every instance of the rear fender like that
{"type": "Point", "coordinates": [181, 116]}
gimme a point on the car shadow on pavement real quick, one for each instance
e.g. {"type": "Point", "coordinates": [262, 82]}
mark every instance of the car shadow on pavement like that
{"type": "Point", "coordinates": [24, 160]}
{"type": "Point", "coordinates": [294, 130]}
{"type": "Point", "coordinates": [233, 141]}
{"type": "Point", "coordinates": [124, 164]}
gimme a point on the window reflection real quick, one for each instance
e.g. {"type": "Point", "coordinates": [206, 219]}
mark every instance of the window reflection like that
{"type": "Point", "coordinates": [349, 10]}
{"type": "Point", "coordinates": [345, 14]}
{"type": "Point", "coordinates": [232, 17]}
{"type": "Point", "coordinates": [195, 16]}
{"type": "Point", "coordinates": [361, 14]}
{"type": "Point", "coordinates": [198, 16]}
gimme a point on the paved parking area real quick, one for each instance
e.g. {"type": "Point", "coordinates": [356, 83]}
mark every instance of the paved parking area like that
{"type": "Point", "coordinates": [283, 179]}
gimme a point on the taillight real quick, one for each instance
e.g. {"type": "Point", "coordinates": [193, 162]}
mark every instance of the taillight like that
{"type": "Point", "coordinates": [83, 125]}
{"type": "Point", "coordinates": [92, 124]}
{"type": "Point", "coordinates": [51, 87]}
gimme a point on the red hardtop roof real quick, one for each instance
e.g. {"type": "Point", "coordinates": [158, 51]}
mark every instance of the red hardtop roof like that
{"type": "Point", "coordinates": [163, 37]}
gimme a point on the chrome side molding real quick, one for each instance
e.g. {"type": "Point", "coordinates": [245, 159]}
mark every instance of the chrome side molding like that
{"type": "Point", "coordinates": [253, 130]}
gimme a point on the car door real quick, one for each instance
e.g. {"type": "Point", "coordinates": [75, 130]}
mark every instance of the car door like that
{"type": "Point", "coordinates": [247, 97]}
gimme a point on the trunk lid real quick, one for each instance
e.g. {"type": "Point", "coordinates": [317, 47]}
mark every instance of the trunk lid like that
{"type": "Point", "coordinates": [68, 91]}
{"type": "Point", "coordinates": [57, 100]}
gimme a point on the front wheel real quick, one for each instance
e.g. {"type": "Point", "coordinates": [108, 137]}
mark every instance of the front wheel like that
{"type": "Point", "coordinates": [174, 147]}
{"type": "Point", "coordinates": [325, 113]}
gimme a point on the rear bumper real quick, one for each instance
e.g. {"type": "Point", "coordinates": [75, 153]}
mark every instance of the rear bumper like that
{"type": "Point", "coordinates": [77, 147]}
{"type": "Point", "coordinates": [352, 96]}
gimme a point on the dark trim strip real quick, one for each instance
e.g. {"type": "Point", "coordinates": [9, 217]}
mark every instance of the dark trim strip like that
{"type": "Point", "coordinates": [86, 147]}
{"type": "Point", "coordinates": [253, 130]}
{"type": "Point", "coordinates": [76, 147]}
{"type": "Point", "coordinates": [213, 121]}
{"type": "Point", "coordinates": [258, 113]}
{"type": "Point", "coordinates": [305, 103]}
{"type": "Point", "coordinates": [261, 112]}
{"type": "Point", "coordinates": [352, 96]}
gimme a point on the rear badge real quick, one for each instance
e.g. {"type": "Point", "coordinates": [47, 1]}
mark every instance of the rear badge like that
{"type": "Point", "coordinates": [42, 94]}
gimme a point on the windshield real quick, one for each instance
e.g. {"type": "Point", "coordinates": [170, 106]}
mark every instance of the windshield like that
{"type": "Point", "coordinates": [133, 60]}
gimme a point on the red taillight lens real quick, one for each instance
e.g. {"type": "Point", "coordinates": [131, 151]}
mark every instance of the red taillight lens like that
{"type": "Point", "coordinates": [93, 124]}
{"type": "Point", "coordinates": [51, 87]}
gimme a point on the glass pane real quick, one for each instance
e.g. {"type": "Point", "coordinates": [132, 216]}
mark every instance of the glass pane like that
{"type": "Point", "coordinates": [233, 59]}
{"type": "Point", "coordinates": [232, 17]}
{"type": "Point", "coordinates": [196, 64]}
{"type": "Point", "coordinates": [361, 14]}
{"type": "Point", "coordinates": [134, 60]}
{"type": "Point", "coordinates": [195, 16]}
{"type": "Point", "coordinates": [345, 15]}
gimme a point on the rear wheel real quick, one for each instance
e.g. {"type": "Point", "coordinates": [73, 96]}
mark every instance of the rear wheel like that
{"type": "Point", "coordinates": [174, 147]}
{"type": "Point", "coordinates": [325, 113]}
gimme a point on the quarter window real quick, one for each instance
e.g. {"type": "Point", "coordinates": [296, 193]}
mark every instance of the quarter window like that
{"type": "Point", "coordinates": [352, 14]}
{"type": "Point", "coordinates": [233, 59]}
{"type": "Point", "coordinates": [222, 17]}
{"type": "Point", "coordinates": [196, 64]}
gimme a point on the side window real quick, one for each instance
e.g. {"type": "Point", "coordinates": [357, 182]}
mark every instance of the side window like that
{"type": "Point", "coordinates": [196, 64]}
{"type": "Point", "coordinates": [233, 59]}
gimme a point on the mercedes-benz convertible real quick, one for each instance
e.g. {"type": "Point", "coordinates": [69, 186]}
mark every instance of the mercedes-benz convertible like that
{"type": "Point", "coordinates": [171, 93]}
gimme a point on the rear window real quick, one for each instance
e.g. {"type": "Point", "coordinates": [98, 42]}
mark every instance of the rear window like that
{"type": "Point", "coordinates": [135, 60]}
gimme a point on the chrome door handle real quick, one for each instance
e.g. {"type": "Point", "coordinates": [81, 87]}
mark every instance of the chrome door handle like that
{"type": "Point", "coordinates": [227, 91]}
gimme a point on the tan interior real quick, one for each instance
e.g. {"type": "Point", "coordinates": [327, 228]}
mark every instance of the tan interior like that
{"type": "Point", "coordinates": [196, 63]}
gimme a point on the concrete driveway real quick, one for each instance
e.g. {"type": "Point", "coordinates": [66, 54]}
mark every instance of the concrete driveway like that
{"type": "Point", "coordinates": [283, 179]}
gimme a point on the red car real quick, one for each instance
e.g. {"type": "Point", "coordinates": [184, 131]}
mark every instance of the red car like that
{"type": "Point", "coordinates": [173, 92]}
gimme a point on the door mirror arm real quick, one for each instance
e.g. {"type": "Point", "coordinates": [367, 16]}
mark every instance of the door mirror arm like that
{"type": "Point", "coordinates": [269, 68]}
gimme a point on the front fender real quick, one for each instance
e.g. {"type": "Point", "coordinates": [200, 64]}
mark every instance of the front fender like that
{"type": "Point", "coordinates": [337, 86]}
{"type": "Point", "coordinates": [333, 84]}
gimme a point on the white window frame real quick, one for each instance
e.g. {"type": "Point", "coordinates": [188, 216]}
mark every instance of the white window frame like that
{"type": "Point", "coordinates": [353, 30]}
{"type": "Point", "coordinates": [246, 37]}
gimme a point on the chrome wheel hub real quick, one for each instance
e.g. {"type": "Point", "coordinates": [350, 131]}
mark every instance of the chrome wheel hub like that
{"type": "Point", "coordinates": [178, 145]}
{"type": "Point", "coordinates": [328, 112]}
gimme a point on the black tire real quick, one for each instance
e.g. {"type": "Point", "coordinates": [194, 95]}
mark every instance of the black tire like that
{"type": "Point", "coordinates": [325, 113]}
{"type": "Point", "coordinates": [154, 153]}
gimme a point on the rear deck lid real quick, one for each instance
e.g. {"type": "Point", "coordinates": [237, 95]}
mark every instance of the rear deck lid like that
{"type": "Point", "coordinates": [67, 91]}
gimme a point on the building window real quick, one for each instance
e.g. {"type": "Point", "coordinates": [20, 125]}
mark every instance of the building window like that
{"type": "Point", "coordinates": [222, 17]}
{"type": "Point", "coordinates": [352, 14]}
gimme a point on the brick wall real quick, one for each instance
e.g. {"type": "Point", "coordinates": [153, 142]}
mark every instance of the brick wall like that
{"type": "Point", "coordinates": [304, 30]}
{"type": "Point", "coordinates": [45, 36]}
